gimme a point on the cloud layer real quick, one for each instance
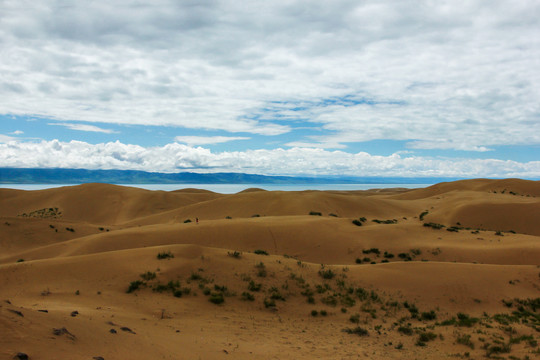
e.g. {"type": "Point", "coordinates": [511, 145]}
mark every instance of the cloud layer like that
{"type": "Point", "coordinates": [295, 161]}
{"type": "Point", "coordinates": [440, 75]}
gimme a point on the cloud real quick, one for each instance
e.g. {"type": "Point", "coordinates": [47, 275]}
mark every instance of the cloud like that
{"type": "Point", "coordinates": [465, 73]}
{"type": "Point", "coordinates": [205, 140]}
{"type": "Point", "coordinates": [177, 157]}
{"type": "Point", "coordinates": [6, 138]}
{"type": "Point", "coordinates": [83, 127]}
{"type": "Point", "coordinates": [17, 132]}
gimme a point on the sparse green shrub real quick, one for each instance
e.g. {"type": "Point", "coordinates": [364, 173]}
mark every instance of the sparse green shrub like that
{"type": "Point", "coordinates": [358, 261]}
{"type": "Point", "coordinates": [355, 319]}
{"type": "Point", "coordinates": [429, 315]}
{"type": "Point", "coordinates": [465, 320]}
{"type": "Point", "coordinates": [234, 254]}
{"type": "Point", "coordinates": [373, 296]}
{"type": "Point", "coordinates": [315, 213]}
{"type": "Point", "coordinates": [221, 288]}
{"type": "Point", "coordinates": [390, 221]}
{"type": "Point", "coordinates": [255, 215]}
{"type": "Point", "coordinates": [329, 300]}
{"type": "Point", "coordinates": [186, 291]}
{"type": "Point", "coordinates": [327, 274]}
{"type": "Point", "coordinates": [424, 213]}
{"type": "Point", "coordinates": [425, 337]}
{"type": "Point", "coordinates": [497, 349]}
{"type": "Point", "coordinates": [388, 255]}
{"type": "Point", "coordinates": [195, 276]}
{"type": "Point", "coordinates": [134, 285]}
{"type": "Point", "coordinates": [405, 256]}
{"type": "Point", "coordinates": [332, 214]}
{"type": "Point", "coordinates": [416, 252]}
{"type": "Point", "coordinates": [465, 340]}
{"type": "Point", "coordinates": [165, 255]}
{"type": "Point", "coordinates": [269, 303]}
{"type": "Point", "coordinates": [347, 301]}
{"type": "Point", "coordinates": [361, 293]}
{"type": "Point", "coordinates": [314, 313]}
{"type": "Point", "coordinates": [187, 221]}
{"type": "Point", "coordinates": [413, 310]}
{"type": "Point", "coordinates": [357, 331]}
{"type": "Point", "coordinates": [372, 251]}
{"type": "Point", "coordinates": [20, 260]}
{"type": "Point", "coordinates": [148, 275]}
{"type": "Point", "coordinates": [448, 322]}
{"type": "Point", "coordinates": [247, 296]}
{"type": "Point", "coordinates": [434, 225]}
{"type": "Point", "coordinates": [357, 222]}
{"type": "Point", "coordinates": [406, 330]}
{"type": "Point", "coordinates": [275, 294]}
{"type": "Point", "coordinates": [307, 292]}
{"type": "Point", "coordinates": [177, 293]}
{"type": "Point", "coordinates": [228, 217]}
{"type": "Point", "coordinates": [260, 252]}
{"type": "Point", "coordinates": [321, 289]}
{"type": "Point", "coordinates": [70, 229]}
{"type": "Point", "coordinates": [261, 270]}
{"type": "Point", "coordinates": [160, 288]}
{"type": "Point", "coordinates": [216, 298]}
{"type": "Point", "coordinates": [323, 313]}
{"type": "Point", "coordinates": [252, 286]}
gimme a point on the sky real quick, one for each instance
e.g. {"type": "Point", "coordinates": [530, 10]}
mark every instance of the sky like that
{"type": "Point", "coordinates": [344, 88]}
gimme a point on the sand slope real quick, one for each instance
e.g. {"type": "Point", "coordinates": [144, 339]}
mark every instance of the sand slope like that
{"type": "Point", "coordinates": [291, 283]}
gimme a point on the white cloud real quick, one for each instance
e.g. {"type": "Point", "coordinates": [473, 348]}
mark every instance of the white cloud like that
{"type": "Point", "coordinates": [83, 127]}
{"type": "Point", "coordinates": [17, 132]}
{"type": "Point", "coordinates": [6, 138]}
{"type": "Point", "coordinates": [205, 140]}
{"type": "Point", "coordinates": [463, 72]}
{"type": "Point", "coordinates": [295, 161]}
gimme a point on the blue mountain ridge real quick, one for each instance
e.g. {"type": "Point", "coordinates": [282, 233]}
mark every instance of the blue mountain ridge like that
{"type": "Point", "coordinates": [80, 176]}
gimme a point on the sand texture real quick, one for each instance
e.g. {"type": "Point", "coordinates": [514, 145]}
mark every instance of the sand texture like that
{"type": "Point", "coordinates": [103, 271]}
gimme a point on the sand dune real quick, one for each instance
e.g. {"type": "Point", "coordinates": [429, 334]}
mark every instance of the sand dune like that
{"type": "Point", "coordinates": [514, 187]}
{"type": "Point", "coordinates": [283, 284]}
{"type": "Point", "coordinates": [98, 203]}
{"type": "Point", "coordinates": [281, 203]}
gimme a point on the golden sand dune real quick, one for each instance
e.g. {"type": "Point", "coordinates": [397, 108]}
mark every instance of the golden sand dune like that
{"type": "Point", "coordinates": [97, 203]}
{"type": "Point", "coordinates": [514, 187]}
{"type": "Point", "coordinates": [107, 271]}
{"type": "Point", "coordinates": [307, 238]}
{"type": "Point", "coordinates": [282, 203]}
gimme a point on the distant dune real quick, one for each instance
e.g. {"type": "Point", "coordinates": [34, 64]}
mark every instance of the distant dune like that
{"type": "Point", "coordinates": [97, 270]}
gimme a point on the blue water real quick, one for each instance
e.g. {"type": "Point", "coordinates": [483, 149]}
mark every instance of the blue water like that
{"type": "Point", "coordinates": [234, 188]}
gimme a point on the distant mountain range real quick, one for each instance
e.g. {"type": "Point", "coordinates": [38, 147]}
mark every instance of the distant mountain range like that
{"type": "Point", "coordinates": [80, 176]}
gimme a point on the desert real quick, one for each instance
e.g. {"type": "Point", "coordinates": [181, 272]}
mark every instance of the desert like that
{"type": "Point", "coordinates": [99, 271]}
